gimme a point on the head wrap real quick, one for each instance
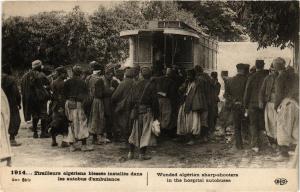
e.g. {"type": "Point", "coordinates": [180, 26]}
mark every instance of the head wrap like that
{"type": "Point", "coordinates": [253, 69]}
{"type": "Point", "coordinates": [61, 70]}
{"type": "Point", "coordinates": [146, 72]}
{"type": "Point", "coordinates": [36, 63]}
{"type": "Point", "coordinates": [130, 72]}
{"type": "Point", "coordinates": [77, 70]}
{"type": "Point", "coordinates": [279, 64]}
{"type": "Point", "coordinates": [109, 68]}
{"type": "Point", "coordinates": [191, 73]}
{"type": "Point", "coordinates": [198, 69]}
{"type": "Point", "coordinates": [169, 71]}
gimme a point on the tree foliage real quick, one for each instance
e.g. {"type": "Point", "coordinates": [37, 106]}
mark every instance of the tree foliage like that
{"type": "Point", "coordinates": [218, 19]}
{"type": "Point", "coordinates": [106, 24]}
{"type": "Point", "coordinates": [59, 38]}
{"type": "Point", "coordinates": [272, 23]}
{"type": "Point", "coordinates": [167, 10]}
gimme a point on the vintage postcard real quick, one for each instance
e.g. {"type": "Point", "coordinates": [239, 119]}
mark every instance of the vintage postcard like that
{"type": "Point", "coordinates": [149, 96]}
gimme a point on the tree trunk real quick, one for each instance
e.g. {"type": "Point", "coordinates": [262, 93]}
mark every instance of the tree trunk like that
{"type": "Point", "coordinates": [296, 53]}
{"type": "Point", "coordinates": [296, 45]}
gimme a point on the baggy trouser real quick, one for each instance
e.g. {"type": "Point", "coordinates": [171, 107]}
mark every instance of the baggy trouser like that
{"type": "Point", "coordinates": [287, 124]}
{"type": "Point", "coordinates": [78, 129]}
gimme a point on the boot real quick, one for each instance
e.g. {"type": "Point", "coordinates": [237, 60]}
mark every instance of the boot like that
{"type": "Point", "coordinates": [64, 144]}
{"type": "Point", "coordinates": [44, 133]}
{"type": "Point", "coordinates": [14, 143]}
{"type": "Point", "coordinates": [34, 127]}
{"type": "Point", "coordinates": [142, 155]}
{"type": "Point", "coordinates": [95, 139]}
{"type": "Point", "coordinates": [35, 135]}
{"type": "Point", "coordinates": [283, 155]}
{"type": "Point", "coordinates": [86, 148]}
{"type": "Point", "coordinates": [131, 152]}
{"type": "Point", "coordinates": [130, 155]}
{"type": "Point", "coordinates": [54, 143]}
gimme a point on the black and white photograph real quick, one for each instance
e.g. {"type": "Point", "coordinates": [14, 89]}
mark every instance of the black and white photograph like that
{"type": "Point", "coordinates": [150, 84]}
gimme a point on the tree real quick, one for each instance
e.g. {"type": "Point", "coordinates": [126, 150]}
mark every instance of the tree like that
{"type": "Point", "coordinates": [15, 44]}
{"type": "Point", "coordinates": [167, 10]}
{"type": "Point", "coordinates": [106, 24]}
{"type": "Point", "coordinates": [76, 28]}
{"type": "Point", "coordinates": [216, 19]}
{"type": "Point", "coordinates": [273, 23]}
{"type": "Point", "coordinates": [48, 37]}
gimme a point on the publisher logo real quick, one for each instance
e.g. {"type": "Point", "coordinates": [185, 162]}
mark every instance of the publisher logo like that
{"type": "Point", "coordinates": [280, 181]}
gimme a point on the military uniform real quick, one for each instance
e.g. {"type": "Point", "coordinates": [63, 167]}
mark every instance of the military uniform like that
{"type": "Point", "coordinates": [234, 94]}
{"type": "Point", "coordinates": [251, 102]}
{"type": "Point", "coordinates": [35, 97]}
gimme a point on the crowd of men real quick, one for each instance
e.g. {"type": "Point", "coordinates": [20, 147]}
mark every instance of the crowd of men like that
{"type": "Point", "coordinates": [269, 99]}
{"type": "Point", "coordinates": [135, 104]}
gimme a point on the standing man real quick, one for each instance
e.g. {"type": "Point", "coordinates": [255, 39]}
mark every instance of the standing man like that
{"type": "Point", "coordinates": [235, 92]}
{"type": "Point", "coordinates": [76, 91]}
{"type": "Point", "coordinates": [251, 98]}
{"type": "Point", "coordinates": [287, 107]}
{"type": "Point", "coordinates": [35, 98]}
{"type": "Point", "coordinates": [142, 118]}
{"type": "Point", "coordinates": [121, 100]}
{"type": "Point", "coordinates": [266, 102]}
{"type": "Point", "coordinates": [108, 110]}
{"type": "Point", "coordinates": [96, 120]}
{"type": "Point", "coordinates": [10, 89]}
{"type": "Point", "coordinates": [166, 98]}
{"type": "Point", "coordinates": [216, 87]}
{"type": "Point", "coordinates": [203, 83]}
{"type": "Point", "coordinates": [59, 123]}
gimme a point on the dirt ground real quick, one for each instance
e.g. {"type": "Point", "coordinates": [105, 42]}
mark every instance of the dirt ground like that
{"type": "Point", "coordinates": [168, 153]}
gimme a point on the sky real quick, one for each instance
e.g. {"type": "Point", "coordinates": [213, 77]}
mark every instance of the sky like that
{"type": "Point", "coordinates": [27, 8]}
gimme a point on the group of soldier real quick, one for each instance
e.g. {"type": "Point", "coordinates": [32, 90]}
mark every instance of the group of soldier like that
{"type": "Point", "coordinates": [106, 103]}
{"type": "Point", "coordinates": [269, 100]}
{"type": "Point", "coordinates": [141, 105]}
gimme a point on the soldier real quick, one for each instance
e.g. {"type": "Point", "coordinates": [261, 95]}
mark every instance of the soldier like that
{"type": "Point", "coordinates": [59, 122]}
{"type": "Point", "coordinates": [35, 97]}
{"type": "Point", "coordinates": [95, 111]}
{"type": "Point", "coordinates": [215, 100]}
{"type": "Point", "coordinates": [76, 91]}
{"type": "Point", "coordinates": [10, 88]}
{"type": "Point", "coordinates": [266, 102]}
{"type": "Point", "coordinates": [256, 115]}
{"type": "Point", "coordinates": [235, 92]}
{"type": "Point", "coordinates": [287, 107]}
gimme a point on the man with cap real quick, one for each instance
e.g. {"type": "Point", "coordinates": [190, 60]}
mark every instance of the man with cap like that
{"type": "Point", "coordinates": [121, 101]}
{"type": "Point", "coordinates": [234, 94]}
{"type": "Point", "coordinates": [76, 91]}
{"type": "Point", "coordinates": [266, 102]}
{"type": "Point", "coordinates": [251, 102]}
{"type": "Point", "coordinates": [10, 88]}
{"type": "Point", "coordinates": [140, 136]}
{"type": "Point", "coordinates": [287, 107]}
{"type": "Point", "coordinates": [59, 123]}
{"type": "Point", "coordinates": [34, 97]}
{"type": "Point", "coordinates": [96, 120]}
